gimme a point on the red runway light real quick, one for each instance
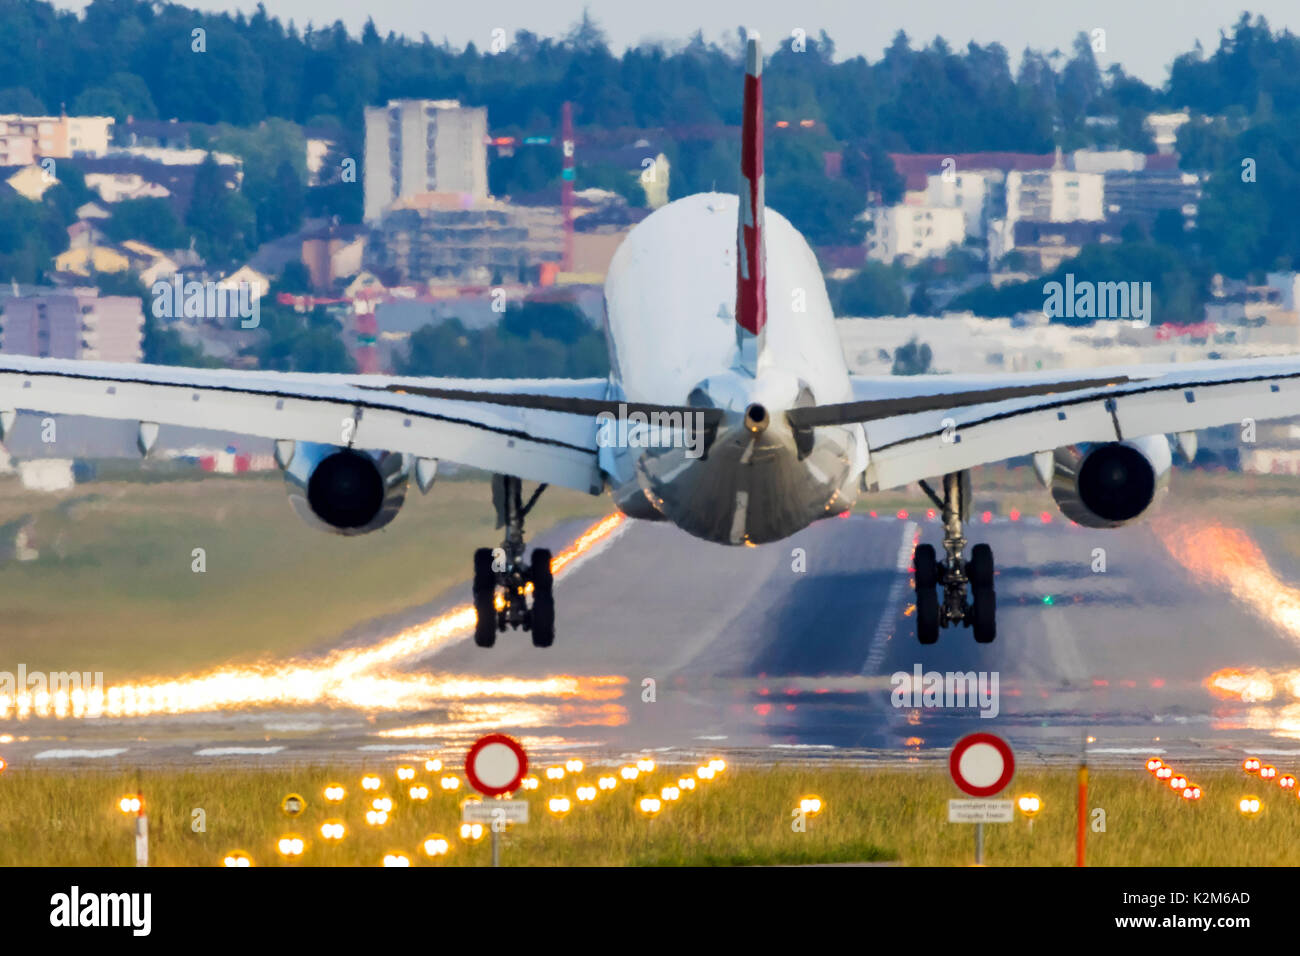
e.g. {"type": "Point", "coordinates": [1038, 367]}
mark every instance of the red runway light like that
{"type": "Point", "coordinates": [987, 516]}
{"type": "Point", "coordinates": [1015, 514]}
{"type": "Point", "coordinates": [1154, 764]}
{"type": "Point", "coordinates": [1267, 772]}
{"type": "Point", "coordinates": [902, 515]}
{"type": "Point", "coordinates": [1286, 782]}
{"type": "Point", "coordinates": [1250, 765]}
{"type": "Point", "coordinates": [1046, 517]}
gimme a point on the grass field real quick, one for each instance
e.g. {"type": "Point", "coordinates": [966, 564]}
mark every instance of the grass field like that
{"type": "Point", "coordinates": [743, 817]}
{"type": "Point", "coordinates": [114, 589]}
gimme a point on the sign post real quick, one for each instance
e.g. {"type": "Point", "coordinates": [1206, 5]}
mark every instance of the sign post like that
{"type": "Point", "coordinates": [981, 765]}
{"type": "Point", "coordinates": [496, 765]}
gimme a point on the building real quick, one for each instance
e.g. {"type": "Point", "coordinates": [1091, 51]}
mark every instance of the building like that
{"type": "Point", "coordinates": [448, 239]}
{"type": "Point", "coordinates": [60, 137]}
{"type": "Point", "coordinates": [1055, 195]}
{"type": "Point", "coordinates": [1140, 195]}
{"type": "Point", "coordinates": [421, 146]}
{"type": "Point", "coordinates": [1163, 128]}
{"type": "Point", "coordinates": [73, 324]}
{"type": "Point", "coordinates": [971, 192]}
{"type": "Point", "coordinates": [913, 232]}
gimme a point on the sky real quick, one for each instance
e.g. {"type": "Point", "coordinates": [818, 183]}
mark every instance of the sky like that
{"type": "Point", "coordinates": [1143, 36]}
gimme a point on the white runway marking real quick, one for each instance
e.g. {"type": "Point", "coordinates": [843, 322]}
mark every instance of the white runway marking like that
{"type": "Point", "coordinates": [236, 751]}
{"type": "Point", "coordinates": [888, 618]}
{"type": "Point", "coordinates": [71, 754]}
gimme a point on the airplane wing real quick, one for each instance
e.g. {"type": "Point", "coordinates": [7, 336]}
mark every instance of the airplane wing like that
{"type": "Point", "coordinates": [538, 429]}
{"type": "Point", "coordinates": [925, 425]}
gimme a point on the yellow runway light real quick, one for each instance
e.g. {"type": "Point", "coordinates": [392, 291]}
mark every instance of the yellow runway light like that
{"type": "Point", "coordinates": [396, 859]}
{"type": "Point", "coordinates": [405, 773]}
{"type": "Point", "coordinates": [371, 782]}
{"type": "Point", "coordinates": [334, 793]}
{"type": "Point", "coordinates": [131, 804]}
{"type": "Point", "coordinates": [650, 806]}
{"type": "Point", "coordinates": [559, 806]}
{"type": "Point", "coordinates": [333, 830]}
{"type": "Point", "coordinates": [237, 858]}
{"type": "Point", "coordinates": [432, 766]}
{"type": "Point", "coordinates": [810, 805]}
{"type": "Point", "coordinates": [435, 845]}
{"type": "Point", "coordinates": [471, 832]}
{"type": "Point", "coordinates": [290, 845]}
{"type": "Point", "coordinates": [1249, 806]}
{"type": "Point", "coordinates": [418, 793]}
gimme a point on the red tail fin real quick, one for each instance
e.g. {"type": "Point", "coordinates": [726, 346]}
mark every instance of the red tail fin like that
{"type": "Point", "coordinates": [751, 286]}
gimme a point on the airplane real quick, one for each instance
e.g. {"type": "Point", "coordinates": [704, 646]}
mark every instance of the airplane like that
{"type": "Point", "coordinates": [729, 411]}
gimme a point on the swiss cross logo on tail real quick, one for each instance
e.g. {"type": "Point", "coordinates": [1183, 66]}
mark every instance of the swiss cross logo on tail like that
{"type": "Point", "coordinates": [751, 292]}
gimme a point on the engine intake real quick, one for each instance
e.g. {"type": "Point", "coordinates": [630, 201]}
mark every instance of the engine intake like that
{"type": "Point", "coordinates": [345, 490]}
{"type": "Point", "coordinates": [1109, 484]}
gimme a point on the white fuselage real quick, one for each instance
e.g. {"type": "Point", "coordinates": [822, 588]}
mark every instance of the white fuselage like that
{"type": "Point", "coordinates": [669, 301]}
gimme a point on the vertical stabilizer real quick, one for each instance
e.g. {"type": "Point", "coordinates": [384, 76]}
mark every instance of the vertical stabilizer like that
{"type": "Point", "coordinates": [751, 270]}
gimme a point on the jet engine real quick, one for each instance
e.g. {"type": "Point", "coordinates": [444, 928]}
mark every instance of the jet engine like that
{"type": "Point", "coordinates": [343, 490]}
{"type": "Point", "coordinates": [1107, 484]}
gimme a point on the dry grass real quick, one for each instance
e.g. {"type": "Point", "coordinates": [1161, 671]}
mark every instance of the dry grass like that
{"type": "Point", "coordinates": [57, 818]}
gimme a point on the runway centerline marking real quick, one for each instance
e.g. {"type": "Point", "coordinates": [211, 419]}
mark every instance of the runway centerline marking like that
{"type": "Point", "coordinates": [888, 618]}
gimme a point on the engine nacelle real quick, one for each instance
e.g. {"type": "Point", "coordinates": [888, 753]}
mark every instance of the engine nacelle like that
{"type": "Point", "coordinates": [345, 490]}
{"type": "Point", "coordinates": [1108, 484]}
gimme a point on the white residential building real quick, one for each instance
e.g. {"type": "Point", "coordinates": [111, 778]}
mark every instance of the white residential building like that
{"type": "Point", "coordinates": [423, 146]}
{"type": "Point", "coordinates": [1055, 195]}
{"type": "Point", "coordinates": [914, 232]}
{"type": "Point", "coordinates": [968, 191]}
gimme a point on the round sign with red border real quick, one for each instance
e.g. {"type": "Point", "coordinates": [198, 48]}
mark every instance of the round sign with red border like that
{"type": "Point", "coordinates": [981, 764]}
{"type": "Point", "coordinates": [495, 765]}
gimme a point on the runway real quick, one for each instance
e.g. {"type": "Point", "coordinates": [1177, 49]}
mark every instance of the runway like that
{"type": "Point", "coordinates": [790, 650]}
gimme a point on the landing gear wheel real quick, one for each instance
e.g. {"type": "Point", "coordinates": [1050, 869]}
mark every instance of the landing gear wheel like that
{"type": "Point", "coordinates": [927, 615]}
{"type": "Point", "coordinates": [926, 575]}
{"type": "Point", "coordinates": [984, 615]}
{"type": "Point", "coordinates": [980, 567]}
{"type": "Point", "coordinates": [543, 612]}
{"type": "Point", "coordinates": [927, 567]}
{"type": "Point", "coordinates": [485, 594]}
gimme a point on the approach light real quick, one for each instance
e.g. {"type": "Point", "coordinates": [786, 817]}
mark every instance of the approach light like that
{"type": "Point", "coordinates": [645, 765]}
{"type": "Point", "coordinates": [1154, 764]}
{"type": "Point", "coordinates": [559, 806]}
{"type": "Point", "coordinates": [1177, 782]}
{"type": "Point", "coordinates": [432, 766]}
{"type": "Point", "coordinates": [376, 818]}
{"type": "Point", "coordinates": [717, 765]}
{"type": "Point", "coordinates": [383, 804]}
{"type": "Point", "coordinates": [371, 782]}
{"type": "Point", "coordinates": [1267, 772]}
{"type": "Point", "coordinates": [435, 844]}
{"type": "Point", "coordinates": [607, 783]}
{"type": "Point", "coordinates": [405, 773]}
{"type": "Point", "coordinates": [1249, 806]}
{"type": "Point", "coordinates": [290, 845]}
{"type": "Point", "coordinates": [670, 793]}
{"type": "Point", "coordinates": [1030, 804]}
{"type": "Point", "coordinates": [130, 804]}
{"type": "Point", "coordinates": [333, 830]}
{"type": "Point", "coordinates": [686, 783]}
{"type": "Point", "coordinates": [629, 773]}
{"type": "Point", "coordinates": [237, 858]}
{"type": "Point", "coordinates": [574, 766]}
{"type": "Point", "coordinates": [1165, 772]}
{"type": "Point", "coordinates": [396, 859]}
{"type": "Point", "coordinates": [530, 783]}
{"type": "Point", "coordinates": [450, 782]}
{"type": "Point", "coordinates": [334, 793]}
{"type": "Point", "coordinates": [1250, 765]}
{"type": "Point", "coordinates": [1191, 792]}
{"type": "Point", "coordinates": [586, 794]}
{"type": "Point", "coordinates": [810, 805]}
{"type": "Point", "coordinates": [704, 773]}
{"type": "Point", "coordinates": [650, 806]}
{"type": "Point", "coordinates": [554, 773]}
{"type": "Point", "coordinates": [471, 832]}
{"type": "Point", "coordinates": [1286, 781]}
{"type": "Point", "coordinates": [418, 792]}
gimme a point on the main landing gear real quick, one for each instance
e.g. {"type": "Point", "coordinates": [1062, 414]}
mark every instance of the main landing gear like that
{"type": "Point", "coordinates": [954, 575]}
{"type": "Point", "coordinates": [502, 582]}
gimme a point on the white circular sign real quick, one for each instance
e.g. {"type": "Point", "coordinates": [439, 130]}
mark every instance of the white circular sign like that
{"type": "Point", "coordinates": [496, 765]}
{"type": "Point", "coordinates": [981, 765]}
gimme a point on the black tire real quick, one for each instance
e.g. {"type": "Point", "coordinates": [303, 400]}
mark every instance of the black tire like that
{"type": "Point", "coordinates": [927, 616]}
{"type": "Point", "coordinates": [485, 593]}
{"type": "Point", "coordinates": [980, 567]}
{"type": "Point", "coordinates": [927, 567]}
{"type": "Point", "coordinates": [984, 615]}
{"type": "Point", "coordinates": [543, 611]}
